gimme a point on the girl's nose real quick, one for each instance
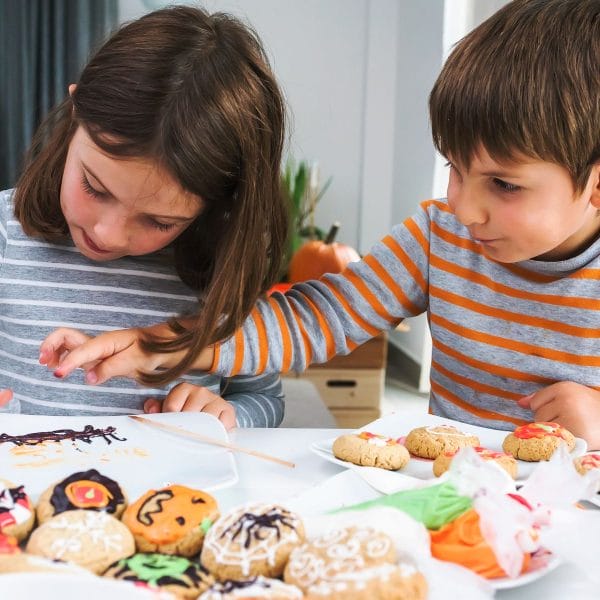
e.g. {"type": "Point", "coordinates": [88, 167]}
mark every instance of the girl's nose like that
{"type": "Point", "coordinates": [111, 234]}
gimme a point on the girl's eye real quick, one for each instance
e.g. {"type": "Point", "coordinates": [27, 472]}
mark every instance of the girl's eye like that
{"type": "Point", "coordinates": [162, 226]}
{"type": "Point", "coordinates": [505, 186]}
{"type": "Point", "coordinates": [85, 184]}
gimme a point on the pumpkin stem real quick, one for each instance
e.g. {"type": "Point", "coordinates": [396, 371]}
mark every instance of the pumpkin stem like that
{"type": "Point", "coordinates": [332, 233]}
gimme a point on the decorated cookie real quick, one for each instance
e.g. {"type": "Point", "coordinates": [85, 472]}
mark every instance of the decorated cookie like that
{"type": "Point", "coordinates": [172, 520]}
{"type": "Point", "coordinates": [346, 561]}
{"type": "Point", "coordinates": [252, 540]}
{"type": "Point", "coordinates": [9, 545]}
{"type": "Point", "coordinates": [537, 441]}
{"type": "Point", "coordinates": [17, 515]}
{"type": "Point", "coordinates": [93, 540]}
{"type": "Point", "coordinates": [586, 463]}
{"type": "Point", "coordinates": [29, 563]}
{"type": "Point", "coordinates": [255, 587]}
{"type": "Point", "coordinates": [503, 460]}
{"type": "Point", "coordinates": [89, 490]}
{"type": "Point", "coordinates": [460, 541]}
{"type": "Point", "coordinates": [174, 574]}
{"type": "Point", "coordinates": [430, 442]}
{"type": "Point", "coordinates": [371, 450]}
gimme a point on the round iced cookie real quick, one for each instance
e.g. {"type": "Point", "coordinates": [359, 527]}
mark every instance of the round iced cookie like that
{"type": "Point", "coordinates": [93, 540]}
{"type": "Point", "coordinates": [17, 515]}
{"type": "Point", "coordinates": [587, 462]}
{"type": "Point", "coordinates": [344, 560]}
{"type": "Point", "coordinates": [537, 441]}
{"type": "Point", "coordinates": [29, 563]}
{"type": "Point", "coordinates": [251, 540]}
{"type": "Point", "coordinates": [9, 545]}
{"type": "Point", "coordinates": [89, 490]}
{"type": "Point", "coordinates": [371, 450]}
{"type": "Point", "coordinates": [172, 520]}
{"type": "Point", "coordinates": [507, 462]}
{"type": "Point", "coordinates": [430, 442]}
{"type": "Point", "coordinates": [255, 587]}
{"type": "Point", "coordinates": [174, 574]}
{"type": "Point", "coordinates": [462, 542]}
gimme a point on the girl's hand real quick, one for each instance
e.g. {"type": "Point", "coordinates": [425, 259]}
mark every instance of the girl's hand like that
{"type": "Point", "coordinates": [186, 397]}
{"type": "Point", "coordinates": [572, 405]}
{"type": "Point", "coordinates": [5, 397]}
{"type": "Point", "coordinates": [113, 354]}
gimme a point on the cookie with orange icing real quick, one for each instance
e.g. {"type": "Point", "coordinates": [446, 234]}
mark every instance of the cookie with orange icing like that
{"type": "Point", "coordinates": [89, 490]}
{"type": "Point", "coordinates": [171, 520]}
{"type": "Point", "coordinates": [507, 462]}
{"type": "Point", "coordinates": [353, 562]}
{"type": "Point", "coordinates": [460, 541]}
{"type": "Point", "coordinates": [587, 462]}
{"type": "Point", "coordinates": [371, 450]}
{"type": "Point", "coordinates": [167, 572]}
{"type": "Point", "coordinates": [252, 540]}
{"type": "Point", "coordinates": [17, 515]}
{"type": "Point", "coordinates": [430, 442]}
{"type": "Point", "coordinates": [537, 441]}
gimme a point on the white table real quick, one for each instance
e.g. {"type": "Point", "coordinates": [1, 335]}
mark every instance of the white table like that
{"type": "Point", "coordinates": [261, 480]}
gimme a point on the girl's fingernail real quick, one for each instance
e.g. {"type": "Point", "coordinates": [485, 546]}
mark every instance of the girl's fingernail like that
{"type": "Point", "coordinates": [58, 374]}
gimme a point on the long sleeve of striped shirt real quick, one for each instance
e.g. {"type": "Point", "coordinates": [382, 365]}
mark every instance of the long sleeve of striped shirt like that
{"type": "Point", "coordinates": [499, 331]}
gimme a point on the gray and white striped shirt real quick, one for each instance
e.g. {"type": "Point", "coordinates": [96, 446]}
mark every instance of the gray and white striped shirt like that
{"type": "Point", "coordinates": [45, 285]}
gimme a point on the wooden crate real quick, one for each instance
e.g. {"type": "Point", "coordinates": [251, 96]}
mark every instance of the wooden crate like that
{"type": "Point", "coordinates": [370, 355]}
{"type": "Point", "coordinates": [354, 418]}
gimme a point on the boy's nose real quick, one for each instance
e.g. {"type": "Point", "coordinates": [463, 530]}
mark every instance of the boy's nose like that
{"type": "Point", "coordinates": [469, 209]}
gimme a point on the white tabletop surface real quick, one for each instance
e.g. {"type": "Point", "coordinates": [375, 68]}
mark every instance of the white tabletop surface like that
{"type": "Point", "coordinates": [261, 480]}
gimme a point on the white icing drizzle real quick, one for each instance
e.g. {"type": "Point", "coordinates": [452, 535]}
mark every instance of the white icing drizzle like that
{"type": "Point", "coordinates": [434, 430]}
{"type": "Point", "coordinates": [219, 539]}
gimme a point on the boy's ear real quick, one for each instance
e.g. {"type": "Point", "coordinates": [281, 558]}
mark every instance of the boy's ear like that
{"type": "Point", "coordinates": [595, 177]}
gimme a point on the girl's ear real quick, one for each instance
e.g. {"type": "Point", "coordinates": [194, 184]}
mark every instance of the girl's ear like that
{"type": "Point", "coordinates": [595, 177]}
{"type": "Point", "coordinates": [72, 88]}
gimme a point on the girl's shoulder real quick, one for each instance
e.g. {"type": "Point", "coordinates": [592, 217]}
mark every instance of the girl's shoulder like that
{"type": "Point", "coordinates": [6, 206]}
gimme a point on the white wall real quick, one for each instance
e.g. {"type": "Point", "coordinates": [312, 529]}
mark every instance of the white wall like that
{"type": "Point", "coordinates": [356, 74]}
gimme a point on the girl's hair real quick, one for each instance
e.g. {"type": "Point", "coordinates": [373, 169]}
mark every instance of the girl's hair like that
{"type": "Point", "coordinates": [525, 82]}
{"type": "Point", "coordinates": [195, 93]}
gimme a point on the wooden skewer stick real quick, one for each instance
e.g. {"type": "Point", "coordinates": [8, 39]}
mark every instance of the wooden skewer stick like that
{"type": "Point", "coordinates": [209, 440]}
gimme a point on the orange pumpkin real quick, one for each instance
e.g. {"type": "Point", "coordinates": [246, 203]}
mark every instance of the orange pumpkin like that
{"type": "Point", "coordinates": [317, 257]}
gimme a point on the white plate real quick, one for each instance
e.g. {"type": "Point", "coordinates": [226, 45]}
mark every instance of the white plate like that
{"type": "Point", "coordinates": [52, 586]}
{"type": "Point", "coordinates": [505, 583]}
{"type": "Point", "coordinates": [399, 424]}
{"type": "Point", "coordinates": [137, 456]}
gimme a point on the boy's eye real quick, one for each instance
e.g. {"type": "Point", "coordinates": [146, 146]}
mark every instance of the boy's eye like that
{"type": "Point", "coordinates": [87, 186]}
{"type": "Point", "coordinates": [505, 186]}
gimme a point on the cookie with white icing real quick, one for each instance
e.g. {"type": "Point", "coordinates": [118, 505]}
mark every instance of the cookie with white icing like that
{"type": "Point", "coordinates": [256, 587]}
{"type": "Point", "coordinates": [251, 540]}
{"type": "Point", "coordinates": [17, 514]}
{"type": "Point", "coordinates": [174, 574]}
{"type": "Point", "coordinates": [371, 450]}
{"type": "Point", "coordinates": [537, 441]}
{"type": "Point", "coordinates": [430, 442]}
{"type": "Point", "coordinates": [507, 462]}
{"type": "Point", "coordinates": [89, 490]}
{"type": "Point", "coordinates": [93, 540]}
{"type": "Point", "coordinates": [352, 562]}
{"type": "Point", "coordinates": [171, 520]}
{"type": "Point", "coordinates": [587, 462]}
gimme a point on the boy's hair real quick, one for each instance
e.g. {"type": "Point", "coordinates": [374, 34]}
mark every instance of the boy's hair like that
{"type": "Point", "coordinates": [526, 82]}
{"type": "Point", "coordinates": [195, 93]}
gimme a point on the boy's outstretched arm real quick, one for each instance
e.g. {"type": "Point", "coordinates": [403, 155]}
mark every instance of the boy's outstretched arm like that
{"type": "Point", "coordinates": [572, 405]}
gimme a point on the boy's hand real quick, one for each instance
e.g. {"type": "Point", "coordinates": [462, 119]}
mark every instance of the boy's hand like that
{"type": "Point", "coordinates": [113, 354]}
{"type": "Point", "coordinates": [186, 397]}
{"type": "Point", "coordinates": [572, 405]}
{"type": "Point", "coordinates": [5, 397]}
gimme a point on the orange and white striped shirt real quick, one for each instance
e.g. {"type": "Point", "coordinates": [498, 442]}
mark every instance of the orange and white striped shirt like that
{"type": "Point", "coordinates": [499, 331]}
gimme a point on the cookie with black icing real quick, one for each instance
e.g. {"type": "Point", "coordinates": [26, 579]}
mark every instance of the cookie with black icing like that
{"type": "Point", "coordinates": [251, 540]}
{"type": "Point", "coordinates": [256, 587]}
{"type": "Point", "coordinates": [88, 490]}
{"type": "Point", "coordinates": [171, 520]}
{"type": "Point", "coordinates": [175, 574]}
{"type": "Point", "coordinates": [17, 515]}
